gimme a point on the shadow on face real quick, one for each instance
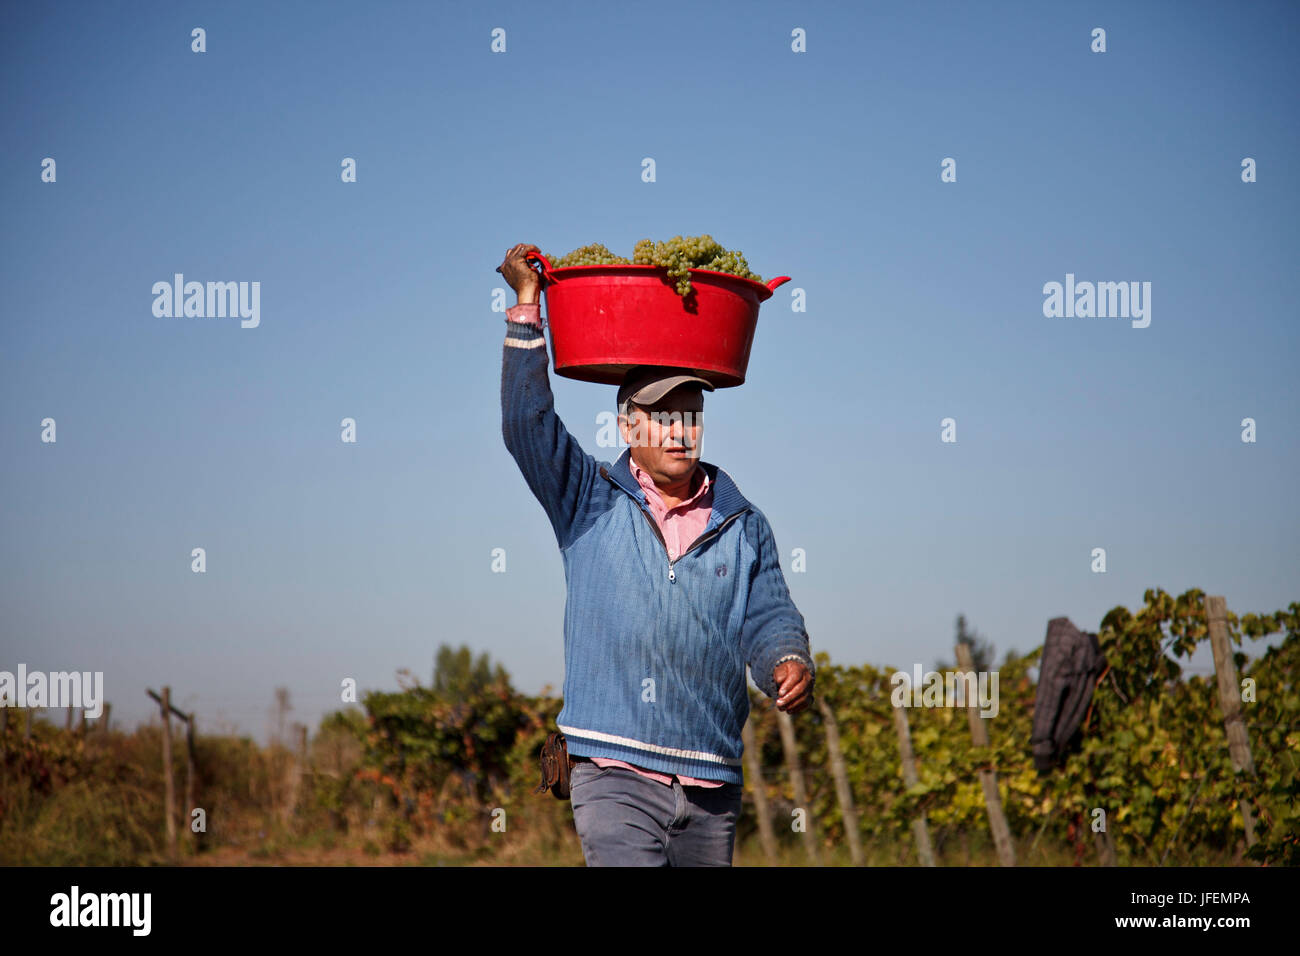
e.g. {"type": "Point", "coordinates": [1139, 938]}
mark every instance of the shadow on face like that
{"type": "Point", "coordinates": [665, 437]}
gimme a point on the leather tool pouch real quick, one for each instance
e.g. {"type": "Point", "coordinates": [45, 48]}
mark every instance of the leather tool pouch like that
{"type": "Point", "coordinates": [556, 764]}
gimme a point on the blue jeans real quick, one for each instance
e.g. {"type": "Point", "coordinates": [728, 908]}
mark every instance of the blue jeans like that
{"type": "Point", "coordinates": [625, 819]}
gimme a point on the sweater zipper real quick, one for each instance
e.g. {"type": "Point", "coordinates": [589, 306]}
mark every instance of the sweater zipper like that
{"type": "Point", "coordinates": [672, 576]}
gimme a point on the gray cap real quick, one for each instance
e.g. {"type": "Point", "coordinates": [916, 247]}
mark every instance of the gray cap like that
{"type": "Point", "coordinates": [646, 384]}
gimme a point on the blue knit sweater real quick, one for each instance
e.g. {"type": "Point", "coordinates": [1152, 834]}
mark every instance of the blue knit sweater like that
{"type": "Point", "coordinates": [654, 650]}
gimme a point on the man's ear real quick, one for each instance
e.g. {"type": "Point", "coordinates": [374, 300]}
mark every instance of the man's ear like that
{"type": "Point", "coordinates": [626, 425]}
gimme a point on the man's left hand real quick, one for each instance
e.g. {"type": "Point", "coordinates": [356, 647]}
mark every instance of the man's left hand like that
{"type": "Point", "coordinates": [793, 685]}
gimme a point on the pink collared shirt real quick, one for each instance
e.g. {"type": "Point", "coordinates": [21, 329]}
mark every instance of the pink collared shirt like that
{"type": "Point", "coordinates": [680, 525]}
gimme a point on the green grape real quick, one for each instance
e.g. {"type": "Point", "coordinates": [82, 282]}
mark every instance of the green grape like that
{"type": "Point", "coordinates": [591, 255]}
{"type": "Point", "coordinates": [678, 256]}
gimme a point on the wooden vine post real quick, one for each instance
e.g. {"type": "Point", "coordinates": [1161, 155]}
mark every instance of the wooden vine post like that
{"type": "Point", "coordinates": [988, 779]}
{"type": "Point", "coordinates": [190, 773]}
{"type": "Point", "coordinates": [786, 724]}
{"type": "Point", "coordinates": [920, 829]}
{"type": "Point", "coordinates": [843, 791]}
{"type": "Point", "coordinates": [169, 790]}
{"type": "Point", "coordinates": [164, 701]}
{"type": "Point", "coordinates": [1234, 721]}
{"type": "Point", "coordinates": [754, 770]}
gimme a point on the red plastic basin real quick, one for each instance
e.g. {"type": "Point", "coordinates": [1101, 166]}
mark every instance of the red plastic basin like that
{"type": "Point", "coordinates": [606, 319]}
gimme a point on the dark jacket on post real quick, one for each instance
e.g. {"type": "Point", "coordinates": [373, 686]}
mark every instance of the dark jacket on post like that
{"type": "Point", "coordinates": [1071, 663]}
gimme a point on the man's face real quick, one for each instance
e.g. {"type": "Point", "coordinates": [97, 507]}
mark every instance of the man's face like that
{"type": "Point", "coordinates": [666, 441]}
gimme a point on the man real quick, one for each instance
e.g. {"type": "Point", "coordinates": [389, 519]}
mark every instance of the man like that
{"type": "Point", "coordinates": [674, 586]}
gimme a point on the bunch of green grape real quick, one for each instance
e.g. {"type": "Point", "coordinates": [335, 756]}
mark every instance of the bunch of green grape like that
{"type": "Point", "coordinates": [592, 255]}
{"type": "Point", "coordinates": [678, 255]}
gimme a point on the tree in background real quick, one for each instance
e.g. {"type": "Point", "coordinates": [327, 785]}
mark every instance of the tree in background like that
{"type": "Point", "coordinates": [458, 677]}
{"type": "Point", "coordinates": [282, 707]}
{"type": "Point", "coordinates": [982, 652]}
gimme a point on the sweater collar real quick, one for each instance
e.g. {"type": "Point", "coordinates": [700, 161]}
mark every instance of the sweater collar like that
{"type": "Point", "coordinates": [727, 499]}
{"type": "Point", "coordinates": [700, 482]}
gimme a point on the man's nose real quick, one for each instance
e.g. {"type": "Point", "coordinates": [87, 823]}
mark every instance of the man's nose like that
{"type": "Point", "coordinates": [688, 436]}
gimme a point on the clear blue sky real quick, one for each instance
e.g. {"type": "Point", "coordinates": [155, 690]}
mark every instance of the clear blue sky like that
{"type": "Point", "coordinates": [327, 560]}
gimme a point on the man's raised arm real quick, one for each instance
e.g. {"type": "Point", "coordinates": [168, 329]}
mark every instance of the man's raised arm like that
{"type": "Point", "coordinates": [554, 465]}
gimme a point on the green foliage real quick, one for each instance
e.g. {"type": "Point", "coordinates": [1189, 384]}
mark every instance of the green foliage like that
{"type": "Point", "coordinates": [431, 763]}
{"type": "Point", "coordinates": [447, 754]}
{"type": "Point", "coordinates": [66, 800]}
{"type": "Point", "coordinates": [1273, 726]}
{"type": "Point", "coordinates": [1153, 754]}
{"type": "Point", "coordinates": [337, 791]}
{"type": "Point", "coordinates": [419, 737]}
